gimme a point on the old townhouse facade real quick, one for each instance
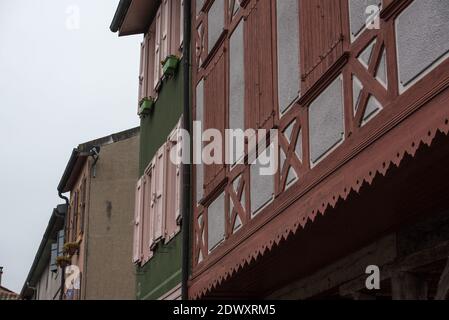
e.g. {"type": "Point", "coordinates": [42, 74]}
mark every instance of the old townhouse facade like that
{"type": "Point", "coordinates": [100, 177]}
{"type": "Point", "coordinates": [353, 97]}
{"type": "Point", "coordinates": [45, 280]}
{"type": "Point", "coordinates": [157, 222]}
{"type": "Point", "coordinates": [358, 93]}
{"type": "Point", "coordinates": [5, 293]}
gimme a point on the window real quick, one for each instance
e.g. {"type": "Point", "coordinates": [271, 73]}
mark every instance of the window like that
{"type": "Point", "coordinates": [422, 39]}
{"type": "Point", "coordinates": [173, 187]}
{"type": "Point", "coordinates": [157, 49]}
{"type": "Point", "coordinates": [60, 243]}
{"type": "Point", "coordinates": [199, 169]}
{"type": "Point", "coordinates": [288, 52]}
{"type": "Point", "coordinates": [216, 222]}
{"type": "Point", "coordinates": [53, 256]}
{"type": "Point", "coordinates": [138, 210]}
{"type": "Point", "coordinates": [57, 250]}
{"type": "Point", "coordinates": [262, 183]}
{"type": "Point", "coordinates": [82, 205]}
{"type": "Point", "coordinates": [326, 121]}
{"type": "Point", "coordinates": [159, 196]}
{"type": "Point", "coordinates": [237, 79]}
{"type": "Point", "coordinates": [181, 23]}
{"type": "Point", "coordinates": [215, 19]}
{"type": "Point", "coordinates": [157, 201]}
{"type": "Point", "coordinates": [361, 13]}
{"type": "Point", "coordinates": [163, 38]}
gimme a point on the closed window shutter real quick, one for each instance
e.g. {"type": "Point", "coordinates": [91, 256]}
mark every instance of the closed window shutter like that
{"type": "Point", "coordinates": [159, 194]}
{"type": "Point", "coordinates": [322, 30]}
{"type": "Point", "coordinates": [165, 28]}
{"type": "Point", "coordinates": [172, 189]}
{"type": "Point", "coordinates": [151, 194]}
{"type": "Point", "coordinates": [215, 118]}
{"type": "Point", "coordinates": [157, 49]}
{"type": "Point", "coordinates": [75, 217]}
{"type": "Point", "coordinates": [142, 71]}
{"type": "Point", "coordinates": [53, 256]}
{"type": "Point", "coordinates": [181, 24]}
{"type": "Point", "coordinates": [137, 247]}
{"type": "Point", "coordinates": [145, 68]}
{"type": "Point", "coordinates": [180, 142]}
{"type": "Point", "coordinates": [83, 204]}
{"type": "Point", "coordinates": [147, 210]}
{"type": "Point", "coordinates": [259, 67]}
{"type": "Point", "coordinates": [175, 25]}
{"type": "Point", "coordinates": [68, 222]}
{"type": "Point", "coordinates": [150, 76]}
{"type": "Point", "coordinates": [60, 242]}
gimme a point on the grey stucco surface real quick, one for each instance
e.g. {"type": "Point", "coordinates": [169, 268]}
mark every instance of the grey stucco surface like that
{"type": "Point", "coordinates": [49, 284]}
{"type": "Point", "coordinates": [326, 123]}
{"type": "Point", "coordinates": [199, 5]}
{"type": "Point", "coordinates": [422, 34]}
{"type": "Point", "coordinates": [236, 79]}
{"type": "Point", "coordinates": [215, 21]}
{"type": "Point", "coordinates": [381, 73]}
{"type": "Point", "coordinates": [262, 188]}
{"type": "Point", "coordinates": [216, 222]}
{"type": "Point", "coordinates": [288, 52]}
{"type": "Point", "coordinates": [372, 107]}
{"type": "Point", "coordinates": [298, 147]}
{"type": "Point", "coordinates": [356, 92]}
{"type": "Point", "coordinates": [199, 117]}
{"type": "Point", "coordinates": [357, 14]}
{"type": "Point", "coordinates": [110, 217]}
{"type": "Point", "coordinates": [365, 56]}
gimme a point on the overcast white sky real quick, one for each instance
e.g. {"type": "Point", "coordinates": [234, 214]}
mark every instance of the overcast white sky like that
{"type": "Point", "coordinates": [59, 86]}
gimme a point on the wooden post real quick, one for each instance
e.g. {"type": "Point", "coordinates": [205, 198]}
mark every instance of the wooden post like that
{"type": "Point", "coordinates": [443, 284]}
{"type": "Point", "coordinates": [407, 286]}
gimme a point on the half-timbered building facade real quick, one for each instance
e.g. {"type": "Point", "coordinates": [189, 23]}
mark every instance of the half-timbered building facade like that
{"type": "Point", "coordinates": [358, 93]}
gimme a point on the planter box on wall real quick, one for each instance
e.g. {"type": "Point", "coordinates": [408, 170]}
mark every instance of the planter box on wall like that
{"type": "Point", "coordinates": [169, 65]}
{"type": "Point", "coordinates": [145, 106]}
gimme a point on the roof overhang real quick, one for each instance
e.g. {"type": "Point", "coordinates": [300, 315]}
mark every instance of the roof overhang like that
{"type": "Point", "coordinates": [72, 170]}
{"type": "Point", "coordinates": [42, 257]}
{"type": "Point", "coordinates": [134, 16]}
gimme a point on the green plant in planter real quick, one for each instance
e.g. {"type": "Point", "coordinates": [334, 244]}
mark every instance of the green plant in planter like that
{"type": "Point", "coordinates": [145, 106]}
{"type": "Point", "coordinates": [63, 261]}
{"type": "Point", "coordinates": [169, 65]}
{"type": "Point", "coordinates": [71, 248]}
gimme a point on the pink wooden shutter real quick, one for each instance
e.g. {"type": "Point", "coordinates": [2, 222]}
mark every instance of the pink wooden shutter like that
{"type": "Point", "coordinates": [157, 49]}
{"type": "Point", "coordinates": [148, 215]}
{"type": "Point", "coordinates": [151, 43]}
{"type": "Point", "coordinates": [172, 189]}
{"type": "Point", "coordinates": [159, 198]}
{"type": "Point", "coordinates": [151, 204]}
{"type": "Point", "coordinates": [181, 23]}
{"type": "Point", "coordinates": [180, 143]}
{"type": "Point", "coordinates": [142, 51]}
{"type": "Point", "coordinates": [165, 28]}
{"type": "Point", "coordinates": [137, 246]}
{"type": "Point", "coordinates": [143, 69]}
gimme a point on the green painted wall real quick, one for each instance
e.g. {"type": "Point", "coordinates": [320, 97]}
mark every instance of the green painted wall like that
{"type": "Point", "coordinates": [163, 272]}
{"type": "Point", "coordinates": [155, 128]}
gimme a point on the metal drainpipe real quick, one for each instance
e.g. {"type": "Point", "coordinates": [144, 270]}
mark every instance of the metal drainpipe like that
{"type": "Point", "coordinates": [186, 172]}
{"type": "Point", "coordinates": [95, 154]}
{"type": "Point", "coordinates": [67, 202]}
